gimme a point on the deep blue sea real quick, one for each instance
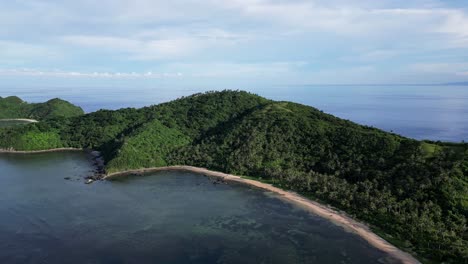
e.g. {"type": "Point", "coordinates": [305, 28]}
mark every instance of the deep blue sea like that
{"type": "Point", "coordinates": [421, 112]}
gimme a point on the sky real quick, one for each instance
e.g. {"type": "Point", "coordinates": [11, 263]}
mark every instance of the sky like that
{"type": "Point", "coordinates": [231, 43]}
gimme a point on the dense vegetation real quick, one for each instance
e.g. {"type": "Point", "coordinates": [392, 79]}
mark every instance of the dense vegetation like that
{"type": "Point", "coordinates": [14, 107]}
{"type": "Point", "coordinates": [415, 191]}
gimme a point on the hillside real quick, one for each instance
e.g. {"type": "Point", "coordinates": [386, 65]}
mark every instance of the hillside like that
{"type": "Point", "coordinates": [415, 192]}
{"type": "Point", "coordinates": [13, 107]}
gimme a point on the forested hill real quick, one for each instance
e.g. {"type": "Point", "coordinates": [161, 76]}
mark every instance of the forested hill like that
{"type": "Point", "coordinates": [415, 192]}
{"type": "Point", "coordinates": [14, 107]}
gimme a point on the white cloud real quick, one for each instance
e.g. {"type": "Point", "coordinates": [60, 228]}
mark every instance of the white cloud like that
{"type": "Point", "coordinates": [341, 17]}
{"type": "Point", "coordinates": [158, 44]}
{"type": "Point", "coordinates": [210, 36]}
{"type": "Point", "coordinates": [456, 24]}
{"type": "Point", "coordinates": [75, 74]}
{"type": "Point", "coordinates": [137, 49]}
{"type": "Point", "coordinates": [175, 70]}
{"type": "Point", "coordinates": [377, 55]}
{"type": "Point", "coordinates": [13, 52]}
{"type": "Point", "coordinates": [450, 68]}
{"type": "Point", "coordinates": [355, 18]}
{"type": "Point", "coordinates": [225, 69]}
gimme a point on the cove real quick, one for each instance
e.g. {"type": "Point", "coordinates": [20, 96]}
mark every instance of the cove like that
{"type": "Point", "coordinates": [164, 217]}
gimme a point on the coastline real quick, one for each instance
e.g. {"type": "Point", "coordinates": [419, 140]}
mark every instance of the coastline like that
{"type": "Point", "coordinates": [20, 119]}
{"type": "Point", "coordinates": [338, 218]}
{"type": "Point", "coordinates": [12, 151]}
{"type": "Point", "coordinates": [321, 210]}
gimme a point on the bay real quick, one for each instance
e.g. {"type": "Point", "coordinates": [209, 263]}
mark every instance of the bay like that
{"type": "Point", "coordinates": [167, 217]}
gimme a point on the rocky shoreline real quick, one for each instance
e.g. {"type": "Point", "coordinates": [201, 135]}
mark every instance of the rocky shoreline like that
{"type": "Point", "coordinates": [100, 169]}
{"type": "Point", "coordinates": [96, 159]}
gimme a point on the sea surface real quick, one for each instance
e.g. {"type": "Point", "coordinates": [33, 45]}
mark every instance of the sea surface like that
{"type": "Point", "coordinates": [422, 112]}
{"type": "Point", "coordinates": [167, 217]}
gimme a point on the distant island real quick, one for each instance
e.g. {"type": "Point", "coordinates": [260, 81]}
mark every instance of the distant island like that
{"type": "Point", "coordinates": [413, 193]}
{"type": "Point", "coordinates": [13, 107]}
{"type": "Point", "coordinates": [457, 83]}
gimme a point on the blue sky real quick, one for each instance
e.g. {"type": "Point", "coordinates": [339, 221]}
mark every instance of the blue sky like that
{"type": "Point", "coordinates": [232, 42]}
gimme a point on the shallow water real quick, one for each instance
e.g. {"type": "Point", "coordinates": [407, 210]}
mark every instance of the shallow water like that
{"type": "Point", "coordinates": [168, 217]}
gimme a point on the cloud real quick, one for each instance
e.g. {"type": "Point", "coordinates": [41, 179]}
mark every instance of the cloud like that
{"type": "Point", "coordinates": [355, 18]}
{"type": "Point", "coordinates": [158, 44]}
{"type": "Point", "coordinates": [259, 38]}
{"type": "Point", "coordinates": [14, 52]}
{"type": "Point", "coordinates": [439, 72]}
{"type": "Point", "coordinates": [175, 70]}
{"type": "Point", "coordinates": [341, 17]}
{"type": "Point", "coordinates": [226, 69]}
{"type": "Point", "coordinates": [455, 24]}
{"type": "Point", "coordinates": [137, 49]}
{"type": "Point", "coordinates": [75, 74]}
{"type": "Point", "coordinates": [450, 68]}
{"type": "Point", "coordinates": [373, 55]}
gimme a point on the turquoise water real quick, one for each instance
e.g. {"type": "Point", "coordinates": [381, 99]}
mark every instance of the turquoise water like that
{"type": "Point", "coordinates": [168, 217]}
{"type": "Point", "coordinates": [421, 112]}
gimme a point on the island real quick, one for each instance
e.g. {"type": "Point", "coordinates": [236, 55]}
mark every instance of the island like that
{"type": "Point", "coordinates": [412, 193]}
{"type": "Point", "coordinates": [13, 108]}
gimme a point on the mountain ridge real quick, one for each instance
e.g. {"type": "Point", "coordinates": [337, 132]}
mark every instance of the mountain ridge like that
{"type": "Point", "coordinates": [14, 107]}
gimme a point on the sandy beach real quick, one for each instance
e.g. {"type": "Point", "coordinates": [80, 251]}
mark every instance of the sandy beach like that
{"type": "Point", "coordinates": [12, 151]}
{"type": "Point", "coordinates": [336, 217]}
{"type": "Point", "coordinates": [20, 119]}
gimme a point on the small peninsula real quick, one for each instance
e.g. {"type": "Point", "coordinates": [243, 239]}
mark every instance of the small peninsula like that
{"type": "Point", "coordinates": [13, 108]}
{"type": "Point", "coordinates": [412, 193]}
